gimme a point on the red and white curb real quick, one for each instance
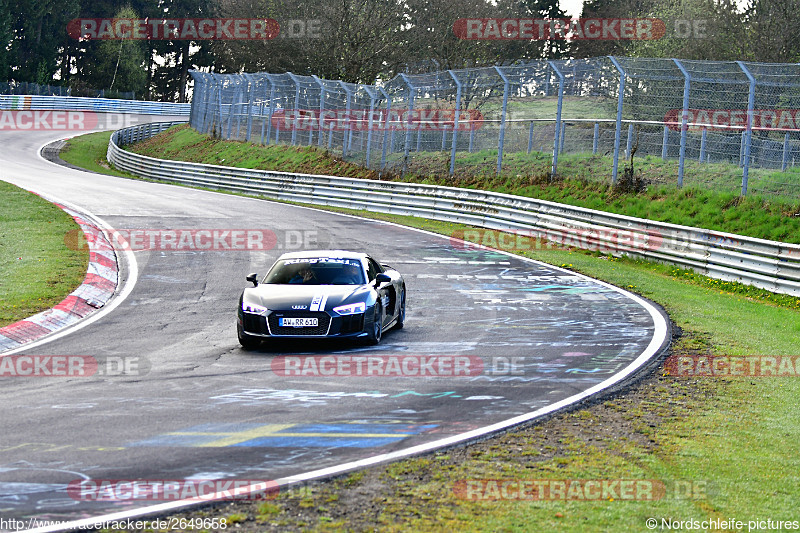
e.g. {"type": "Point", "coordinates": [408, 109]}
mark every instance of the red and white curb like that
{"type": "Point", "coordinates": [96, 290]}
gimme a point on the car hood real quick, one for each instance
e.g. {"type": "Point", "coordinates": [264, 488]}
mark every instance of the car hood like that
{"type": "Point", "coordinates": [313, 297]}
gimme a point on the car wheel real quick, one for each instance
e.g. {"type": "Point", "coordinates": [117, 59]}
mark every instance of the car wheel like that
{"type": "Point", "coordinates": [401, 316]}
{"type": "Point", "coordinates": [248, 342]}
{"type": "Point", "coordinates": [375, 334]}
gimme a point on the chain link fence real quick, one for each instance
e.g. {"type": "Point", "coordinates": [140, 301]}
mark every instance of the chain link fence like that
{"type": "Point", "coordinates": [732, 126]}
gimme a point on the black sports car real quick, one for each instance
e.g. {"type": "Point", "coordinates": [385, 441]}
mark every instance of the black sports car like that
{"type": "Point", "coordinates": [327, 293]}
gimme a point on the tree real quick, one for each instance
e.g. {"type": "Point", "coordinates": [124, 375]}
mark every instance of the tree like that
{"type": "Point", "coordinates": [120, 62]}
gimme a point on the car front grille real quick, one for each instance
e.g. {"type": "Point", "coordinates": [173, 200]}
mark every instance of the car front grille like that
{"type": "Point", "coordinates": [254, 323]}
{"type": "Point", "coordinates": [323, 323]}
{"type": "Point", "coordinates": [352, 323]}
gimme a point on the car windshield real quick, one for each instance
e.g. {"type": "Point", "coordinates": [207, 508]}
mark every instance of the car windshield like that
{"type": "Point", "coordinates": [316, 271]}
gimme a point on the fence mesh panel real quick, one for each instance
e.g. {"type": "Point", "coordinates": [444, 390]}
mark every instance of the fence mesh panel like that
{"type": "Point", "coordinates": [730, 125]}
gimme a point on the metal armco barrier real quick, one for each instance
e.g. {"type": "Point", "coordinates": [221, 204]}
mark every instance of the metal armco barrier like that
{"type": "Point", "coordinates": [771, 265]}
{"type": "Point", "coordinates": [99, 105]}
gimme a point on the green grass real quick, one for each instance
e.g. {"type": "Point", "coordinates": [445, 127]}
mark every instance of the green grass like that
{"type": "Point", "coordinates": [740, 436]}
{"type": "Point", "coordinates": [37, 268]}
{"type": "Point", "coordinates": [89, 152]}
{"type": "Point", "coordinates": [525, 175]}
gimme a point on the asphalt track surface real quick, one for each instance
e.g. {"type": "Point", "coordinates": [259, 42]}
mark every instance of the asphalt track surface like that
{"type": "Point", "coordinates": [199, 407]}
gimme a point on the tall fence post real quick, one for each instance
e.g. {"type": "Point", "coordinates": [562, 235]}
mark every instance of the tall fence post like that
{"type": "Point", "coordinates": [618, 131]}
{"type": "Point", "coordinates": [321, 110]}
{"type": "Point", "coordinates": [530, 137]}
{"type": "Point", "coordinates": [785, 159]}
{"type": "Point", "coordinates": [751, 99]}
{"type": "Point", "coordinates": [385, 126]}
{"type": "Point", "coordinates": [456, 117]}
{"type": "Point", "coordinates": [373, 97]}
{"type": "Point", "coordinates": [263, 118]}
{"type": "Point", "coordinates": [251, 86]}
{"type": "Point", "coordinates": [296, 121]}
{"type": "Point", "coordinates": [271, 106]}
{"type": "Point", "coordinates": [412, 94]}
{"type": "Point", "coordinates": [501, 140]}
{"type": "Point", "coordinates": [595, 138]}
{"type": "Point", "coordinates": [664, 143]}
{"type": "Point", "coordinates": [687, 81]}
{"type": "Point", "coordinates": [347, 136]}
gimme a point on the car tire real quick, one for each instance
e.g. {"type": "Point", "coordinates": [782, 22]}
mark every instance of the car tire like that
{"type": "Point", "coordinates": [248, 342]}
{"type": "Point", "coordinates": [401, 315]}
{"type": "Point", "coordinates": [376, 333]}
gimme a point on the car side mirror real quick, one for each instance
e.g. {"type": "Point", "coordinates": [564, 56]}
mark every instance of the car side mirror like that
{"type": "Point", "coordinates": [253, 278]}
{"type": "Point", "coordinates": [383, 278]}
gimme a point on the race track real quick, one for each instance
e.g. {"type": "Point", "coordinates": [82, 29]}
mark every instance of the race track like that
{"type": "Point", "coordinates": [202, 408]}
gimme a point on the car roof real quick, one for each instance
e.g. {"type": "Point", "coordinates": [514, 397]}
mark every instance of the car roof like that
{"type": "Point", "coordinates": [337, 254]}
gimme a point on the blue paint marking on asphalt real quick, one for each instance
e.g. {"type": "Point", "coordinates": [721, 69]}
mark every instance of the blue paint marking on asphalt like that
{"type": "Point", "coordinates": [345, 435]}
{"type": "Point", "coordinates": [317, 442]}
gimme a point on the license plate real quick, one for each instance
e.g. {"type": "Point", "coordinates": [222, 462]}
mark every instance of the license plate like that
{"type": "Point", "coordinates": [298, 322]}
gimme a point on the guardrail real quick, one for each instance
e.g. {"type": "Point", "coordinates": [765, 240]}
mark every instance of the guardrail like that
{"type": "Point", "coordinates": [99, 105]}
{"type": "Point", "coordinates": [771, 265]}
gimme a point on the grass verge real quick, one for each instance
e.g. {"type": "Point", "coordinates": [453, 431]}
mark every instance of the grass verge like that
{"type": "Point", "coordinates": [734, 440]}
{"type": "Point", "coordinates": [37, 268]}
{"type": "Point", "coordinates": [724, 447]}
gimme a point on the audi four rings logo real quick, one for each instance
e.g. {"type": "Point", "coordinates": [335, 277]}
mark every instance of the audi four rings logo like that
{"type": "Point", "coordinates": [299, 307]}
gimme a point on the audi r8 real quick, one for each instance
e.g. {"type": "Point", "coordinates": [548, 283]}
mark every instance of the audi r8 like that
{"type": "Point", "coordinates": [330, 293]}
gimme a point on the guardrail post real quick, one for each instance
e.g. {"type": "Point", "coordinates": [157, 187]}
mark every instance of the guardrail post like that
{"type": "Point", "coordinates": [664, 143]}
{"type": "Point", "coordinates": [618, 131]}
{"type": "Point", "coordinates": [785, 159]}
{"type": "Point", "coordinates": [501, 140]}
{"type": "Point", "coordinates": [751, 99]}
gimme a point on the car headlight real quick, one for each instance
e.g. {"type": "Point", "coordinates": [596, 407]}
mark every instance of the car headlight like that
{"type": "Point", "coordinates": [351, 309]}
{"type": "Point", "coordinates": [253, 308]}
